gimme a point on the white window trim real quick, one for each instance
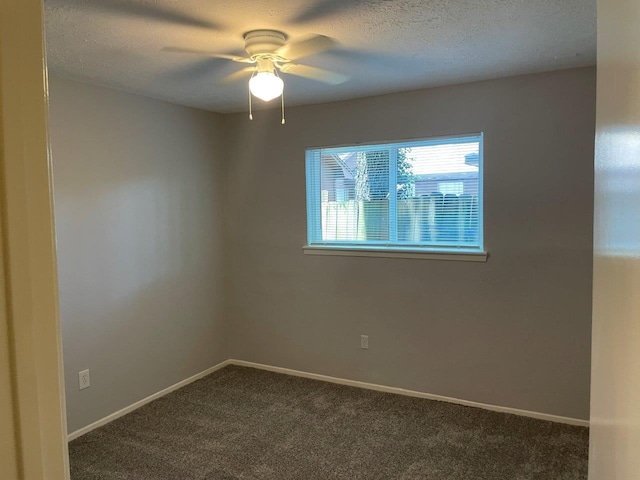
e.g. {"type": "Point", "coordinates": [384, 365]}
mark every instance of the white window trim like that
{"type": "Point", "coordinates": [397, 252]}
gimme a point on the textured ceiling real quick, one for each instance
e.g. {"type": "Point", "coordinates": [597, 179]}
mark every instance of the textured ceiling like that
{"type": "Point", "coordinates": [385, 45]}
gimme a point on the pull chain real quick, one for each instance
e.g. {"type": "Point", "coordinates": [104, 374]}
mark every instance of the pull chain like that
{"type": "Point", "coordinates": [250, 106]}
{"type": "Point", "coordinates": [281, 96]}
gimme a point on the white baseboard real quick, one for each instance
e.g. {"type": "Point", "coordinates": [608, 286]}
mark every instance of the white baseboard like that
{"type": "Point", "coordinates": [412, 393]}
{"type": "Point", "coordinates": [324, 378]}
{"type": "Point", "coordinates": [144, 401]}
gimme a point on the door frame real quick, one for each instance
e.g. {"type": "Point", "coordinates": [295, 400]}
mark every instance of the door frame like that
{"type": "Point", "coordinates": [30, 310]}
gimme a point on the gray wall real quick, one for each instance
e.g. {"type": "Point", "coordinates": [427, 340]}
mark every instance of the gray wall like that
{"type": "Point", "coordinates": [138, 195]}
{"type": "Point", "coordinates": [513, 332]}
{"type": "Point", "coordinates": [151, 293]}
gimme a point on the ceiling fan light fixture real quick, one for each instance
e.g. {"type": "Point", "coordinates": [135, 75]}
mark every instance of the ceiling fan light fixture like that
{"type": "Point", "coordinates": [266, 86]}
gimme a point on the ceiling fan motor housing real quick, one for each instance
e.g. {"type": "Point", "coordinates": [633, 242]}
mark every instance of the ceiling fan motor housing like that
{"type": "Point", "coordinates": [258, 42]}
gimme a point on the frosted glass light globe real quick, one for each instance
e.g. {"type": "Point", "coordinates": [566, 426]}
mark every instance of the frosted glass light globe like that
{"type": "Point", "coordinates": [266, 86]}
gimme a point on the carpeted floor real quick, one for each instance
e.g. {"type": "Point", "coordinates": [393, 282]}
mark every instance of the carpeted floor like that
{"type": "Point", "coordinates": [242, 423]}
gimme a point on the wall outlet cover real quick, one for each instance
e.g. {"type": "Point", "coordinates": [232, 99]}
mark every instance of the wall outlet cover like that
{"type": "Point", "coordinates": [84, 381]}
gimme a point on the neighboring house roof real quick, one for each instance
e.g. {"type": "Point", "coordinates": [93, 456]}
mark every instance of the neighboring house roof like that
{"type": "Point", "coordinates": [348, 163]}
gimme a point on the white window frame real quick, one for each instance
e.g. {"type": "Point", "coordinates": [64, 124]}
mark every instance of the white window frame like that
{"type": "Point", "coordinates": [389, 249]}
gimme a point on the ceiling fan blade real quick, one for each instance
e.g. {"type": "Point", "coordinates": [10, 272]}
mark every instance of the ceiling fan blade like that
{"type": "Point", "coordinates": [195, 70]}
{"type": "Point", "coordinates": [319, 74]}
{"type": "Point", "coordinates": [239, 75]}
{"type": "Point", "coordinates": [306, 46]}
{"type": "Point", "coordinates": [207, 53]}
{"type": "Point", "coordinates": [325, 8]}
{"type": "Point", "coordinates": [150, 11]}
{"type": "Point", "coordinates": [395, 61]}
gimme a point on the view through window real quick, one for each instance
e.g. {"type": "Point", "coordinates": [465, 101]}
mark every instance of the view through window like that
{"type": "Point", "coordinates": [415, 195]}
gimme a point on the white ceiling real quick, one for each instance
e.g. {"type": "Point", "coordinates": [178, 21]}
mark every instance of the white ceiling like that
{"type": "Point", "coordinates": [386, 45]}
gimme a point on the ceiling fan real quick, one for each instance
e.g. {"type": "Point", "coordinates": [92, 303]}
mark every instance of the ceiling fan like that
{"type": "Point", "coordinates": [270, 54]}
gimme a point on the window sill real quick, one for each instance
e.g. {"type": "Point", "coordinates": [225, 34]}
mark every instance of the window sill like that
{"type": "Point", "coordinates": [449, 255]}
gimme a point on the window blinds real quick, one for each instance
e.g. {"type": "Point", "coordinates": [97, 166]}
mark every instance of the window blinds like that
{"type": "Point", "coordinates": [420, 194]}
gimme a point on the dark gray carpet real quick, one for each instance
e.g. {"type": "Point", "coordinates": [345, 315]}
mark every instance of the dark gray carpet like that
{"type": "Point", "coordinates": [242, 423]}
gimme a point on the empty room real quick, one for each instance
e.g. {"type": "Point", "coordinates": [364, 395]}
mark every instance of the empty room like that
{"type": "Point", "coordinates": [330, 239]}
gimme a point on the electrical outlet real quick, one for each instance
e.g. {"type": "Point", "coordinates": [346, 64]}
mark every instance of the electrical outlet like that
{"type": "Point", "coordinates": [364, 341]}
{"type": "Point", "coordinates": [84, 381]}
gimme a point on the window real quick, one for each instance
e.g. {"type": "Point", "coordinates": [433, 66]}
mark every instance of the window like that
{"type": "Point", "coordinates": [418, 196]}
